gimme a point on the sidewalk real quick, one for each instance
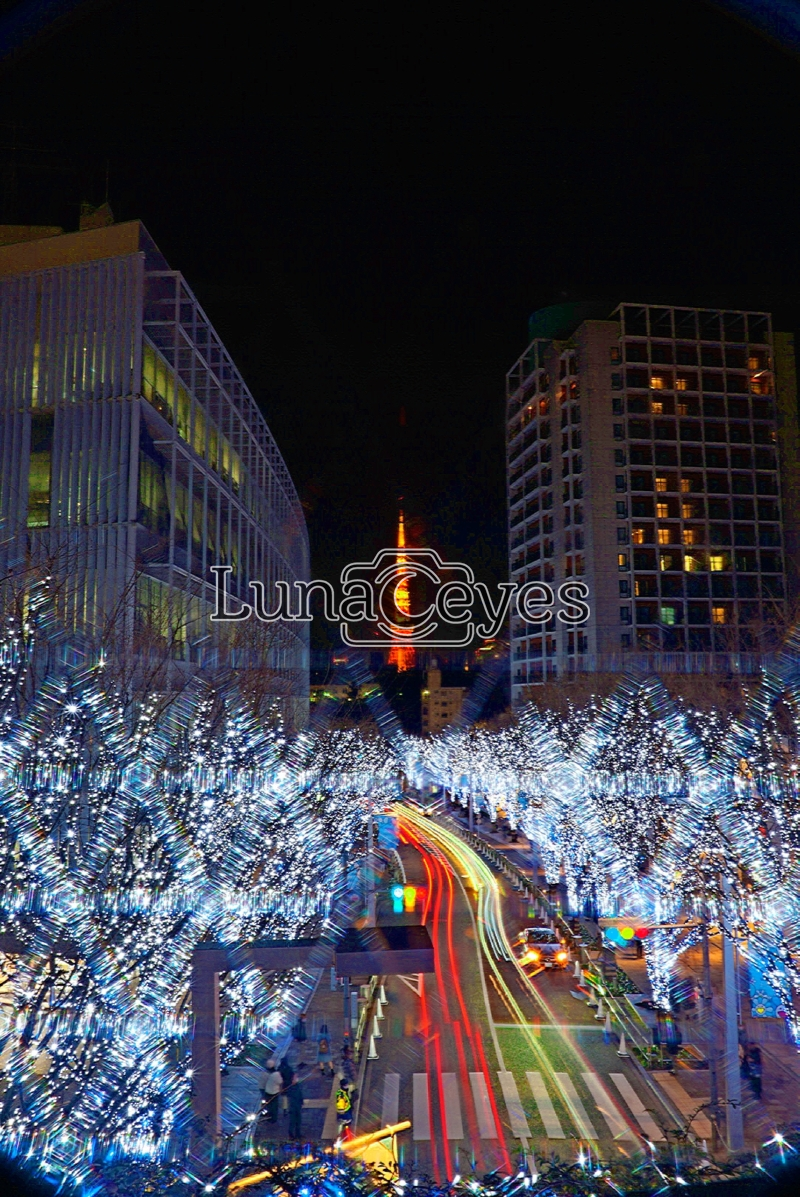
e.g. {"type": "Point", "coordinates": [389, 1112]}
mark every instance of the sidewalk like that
{"type": "Point", "coordinates": [687, 1087]}
{"type": "Point", "coordinates": [240, 1092]}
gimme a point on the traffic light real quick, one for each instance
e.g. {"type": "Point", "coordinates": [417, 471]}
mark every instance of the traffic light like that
{"type": "Point", "coordinates": [405, 897]}
{"type": "Point", "coordinates": [622, 932]}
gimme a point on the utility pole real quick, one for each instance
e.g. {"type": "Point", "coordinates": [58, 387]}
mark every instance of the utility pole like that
{"type": "Point", "coordinates": [733, 1077]}
{"type": "Point", "coordinates": [711, 1032]}
{"type": "Point", "coordinates": [371, 898]}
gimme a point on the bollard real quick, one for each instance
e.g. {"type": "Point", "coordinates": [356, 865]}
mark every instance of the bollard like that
{"type": "Point", "coordinates": [607, 1027]}
{"type": "Point", "coordinates": [600, 1014]}
{"type": "Point", "coordinates": [379, 1010]}
{"type": "Point", "coordinates": [376, 1031]}
{"type": "Point", "coordinates": [382, 995]}
{"type": "Point", "coordinates": [577, 973]}
{"type": "Point", "coordinates": [372, 1055]}
{"type": "Point", "coordinates": [622, 1050]}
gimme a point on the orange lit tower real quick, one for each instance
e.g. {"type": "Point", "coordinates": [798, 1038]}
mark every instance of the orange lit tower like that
{"type": "Point", "coordinates": [400, 654]}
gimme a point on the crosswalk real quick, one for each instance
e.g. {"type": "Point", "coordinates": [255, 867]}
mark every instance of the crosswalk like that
{"type": "Point", "coordinates": [553, 1106]}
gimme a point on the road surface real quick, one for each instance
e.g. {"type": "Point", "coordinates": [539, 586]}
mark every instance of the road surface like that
{"type": "Point", "coordinates": [493, 1069]}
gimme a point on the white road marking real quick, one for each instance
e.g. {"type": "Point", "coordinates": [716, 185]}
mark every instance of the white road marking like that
{"type": "Point", "coordinates": [483, 1106]}
{"type": "Point", "coordinates": [552, 1126]}
{"type": "Point", "coordinates": [577, 1110]}
{"type": "Point", "coordinates": [412, 980]}
{"type": "Point", "coordinates": [453, 1126]}
{"type": "Point", "coordinates": [637, 1107]}
{"type": "Point", "coordinates": [421, 1118]}
{"type": "Point", "coordinates": [603, 1100]}
{"type": "Point", "coordinates": [391, 1099]}
{"type": "Point", "coordinates": [519, 1123]}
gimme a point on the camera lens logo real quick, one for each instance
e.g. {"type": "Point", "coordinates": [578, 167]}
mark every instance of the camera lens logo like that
{"type": "Point", "coordinates": [380, 591]}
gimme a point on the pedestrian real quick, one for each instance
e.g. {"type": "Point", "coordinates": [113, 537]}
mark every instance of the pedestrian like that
{"type": "Point", "coordinates": [347, 1070]}
{"type": "Point", "coordinates": [286, 1070]}
{"type": "Point", "coordinates": [299, 1032]}
{"type": "Point", "coordinates": [744, 1063]}
{"type": "Point", "coordinates": [271, 1085]}
{"type": "Point", "coordinates": [295, 1095]}
{"type": "Point", "coordinates": [754, 1062]}
{"type": "Point", "coordinates": [344, 1107]}
{"type": "Point", "coordinates": [324, 1057]}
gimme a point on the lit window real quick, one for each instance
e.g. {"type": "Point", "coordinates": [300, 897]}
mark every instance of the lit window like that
{"type": "Point", "coordinates": [753, 363]}
{"type": "Point", "coordinates": [622, 560]}
{"type": "Point", "coordinates": [718, 615]}
{"type": "Point", "coordinates": [668, 615]}
{"type": "Point", "coordinates": [716, 562]}
{"type": "Point", "coordinates": [686, 486]}
{"type": "Point", "coordinates": [637, 535]}
{"type": "Point", "coordinates": [665, 561]}
{"type": "Point", "coordinates": [689, 536]}
{"type": "Point", "coordinates": [661, 484]}
{"type": "Point", "coordinates": [680, 385]}
{"type": "Point", "coordinates": [687, 511]}
{"type": "Point", "coordinates": [662, 510]}
{"type": "Point", "coordinates": [683, 409]}
{"type": "Point", "coordinates": [657, 407]}
{"type": "Point", "coordinates": [656, 383]}
{"type": "Point", "coordinates": [663, 535]}
{"type": "Point", "coordinates": [691, 564]}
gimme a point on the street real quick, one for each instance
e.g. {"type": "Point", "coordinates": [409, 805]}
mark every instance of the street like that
{"type": "Point", "coordinates": [490, 1067]}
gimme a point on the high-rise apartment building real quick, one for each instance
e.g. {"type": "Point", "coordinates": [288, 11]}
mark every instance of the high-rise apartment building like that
{"type": "Point", "coordinates": [133, 458]}
{"type": "Point", "coordinates": [643, 458]}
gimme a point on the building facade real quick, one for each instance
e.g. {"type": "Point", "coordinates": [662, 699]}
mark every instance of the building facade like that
{"type": "Point", "coordinates": [133, 458]}
{"type": "Point", "coordinates": [440, 704]}
{"type": "Point", "coordinates": [643, 458]}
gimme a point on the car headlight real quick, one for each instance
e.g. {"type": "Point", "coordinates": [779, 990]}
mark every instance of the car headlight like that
{"type": "Point", "coordinates": [561, 956]}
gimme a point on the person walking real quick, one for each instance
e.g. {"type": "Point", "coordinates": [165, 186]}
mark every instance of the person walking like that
{"type": "Point", "coordinates": [324, 1056]}
{"type": "Point", "coordinates": [271, 1085]}
{"type": "Point", "coordinates": [295, 1096]}
{"type": "Point", "coordinates": [299, 1031]}
{"type": "Point", "coordinates": [347, 1071]}
{"type": "Point", "coordinates": [754, 1060]}
{"type": "Point", "coordinates": [286, 1070]}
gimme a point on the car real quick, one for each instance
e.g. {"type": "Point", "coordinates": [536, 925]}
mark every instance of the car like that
{"type": "Point", "coordinates": [542, 948]}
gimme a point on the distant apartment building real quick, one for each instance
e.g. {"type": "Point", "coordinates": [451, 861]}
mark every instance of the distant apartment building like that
{"type": "Point", "coordinates": [133, 458]}
{"type": "Point", "coordinates": [653, 454]}
{"type": "Point", "coordinates": [440, 704]}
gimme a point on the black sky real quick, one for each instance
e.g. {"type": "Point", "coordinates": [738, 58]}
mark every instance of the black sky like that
{"type": "Point", "coordinates": [369, 202]}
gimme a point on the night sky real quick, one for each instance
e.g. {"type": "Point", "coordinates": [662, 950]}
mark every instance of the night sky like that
{"type": "Point", "coordinates": [369, 201]}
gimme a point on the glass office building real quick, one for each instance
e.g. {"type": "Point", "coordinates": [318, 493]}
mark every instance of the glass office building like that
{"type": "Point", "coordinates": [133, 457]}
